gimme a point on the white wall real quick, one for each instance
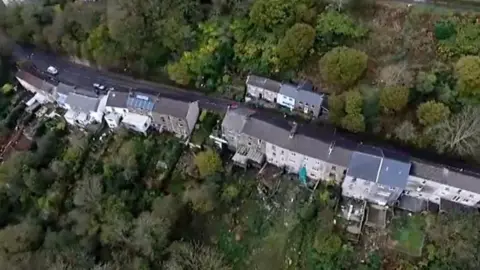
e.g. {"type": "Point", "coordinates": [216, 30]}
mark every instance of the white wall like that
{"type": "Point", "coordinates": [120, 111]}
{"type": "Point", "coordinates": [433, 191]}
{"type": "Point", "coordinates": [316, 169]}
{"type": "Point", "coordinates": [286, 101]}
{"type": "Point", "coordinates": [254, 90]}
{"type": "Point", "coordinates": [192, 116]}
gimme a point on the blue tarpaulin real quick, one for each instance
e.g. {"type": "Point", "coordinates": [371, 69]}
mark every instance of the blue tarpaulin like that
{"type": "Point", "coordinates": [302, 174]}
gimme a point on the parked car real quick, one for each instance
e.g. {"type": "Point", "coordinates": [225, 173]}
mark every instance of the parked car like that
{"type": "Point", "coordinates": [52, 70]}
{"type": "Point", "coordinates": [99, 86]}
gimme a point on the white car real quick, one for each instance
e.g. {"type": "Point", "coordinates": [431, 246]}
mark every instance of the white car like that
{"type": "Point", "coordinates": [52, 70]}
{"type": "Point", "coordinates": [99, 86]}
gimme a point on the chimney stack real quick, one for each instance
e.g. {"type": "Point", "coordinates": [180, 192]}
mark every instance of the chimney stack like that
{"type": "Point", "coordinates": [293, 130]}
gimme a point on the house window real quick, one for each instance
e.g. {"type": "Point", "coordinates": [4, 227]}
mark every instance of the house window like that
{"type": "Point", "coordinates": [125, 110]}
{"type": "Point", "coordinates": [273, 147]}
{"type": "Point", "coordinates": [471, 196]}
{"type": "Point", "coordinates": [334, 168]}
{"type": "Point", "coordinates": [181, 125]}
{"type": "Point", "coordinates": [301, 103]}
{"type": "Point", "coordinates": [313, 106]}
{"type": "Point", "coordinates": [447, 189]}
{"type": "Point", "coordinates": [465, 200]}
{"type": "Point", "coordinates": [424, 182]}
{"type": "Point", "coordinates": [458, 192]}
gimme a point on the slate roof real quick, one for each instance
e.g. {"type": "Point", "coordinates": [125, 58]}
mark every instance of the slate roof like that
{"type": "Point", "coordinates": [362, 160]}
{"type": "Point", "coordinates": [117, 99]}
{"type": "Point", "coordinates": [310, 142]}
{"type": "Point", "coordinates": [35, 81]}
{"type": "Point", "coordinates": [264, 83]}
{"type": "Point", "coordinates": [235, 120]}
{"type": "Point", "coordinates": [365, 166]}
{"type": "Point", "coordinates": [82, 103]}
{"type": "Point", "coordinates": [310, 98]}
{"type": "Point", "coordinates": [288, 90]}
{"type": "Point", "coordinates": [394, 172]}
{"type": "Point", "coordinates": [172, 107]}
{"type": "Point", "coordinates": [381, 166]}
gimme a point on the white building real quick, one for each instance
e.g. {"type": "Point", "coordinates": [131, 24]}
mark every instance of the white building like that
{"type": "Point", "coordinates": [287, 95]}
{"type": "Point", "coordinates": [434, 182]}
{"type": "Point", "coordinates": [376, 175]}
{"type": "Point", "coordinates": [131, 110]}
{"type": "Point", "coordinates": [288, 146]}
{"type": "Point", "coordinates": [137, 122]}
{"type": "Point", "coordinates": [113, 120]}
{"type": "Point", "coordinates": [262, 88]}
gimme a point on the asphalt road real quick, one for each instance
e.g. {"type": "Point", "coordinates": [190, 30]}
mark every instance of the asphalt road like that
{"type": "Point", "coordinates": [83, 76]}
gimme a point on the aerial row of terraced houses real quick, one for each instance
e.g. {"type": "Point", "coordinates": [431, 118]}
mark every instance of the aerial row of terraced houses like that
{"type": "Point", "coordinates": [375, 174]}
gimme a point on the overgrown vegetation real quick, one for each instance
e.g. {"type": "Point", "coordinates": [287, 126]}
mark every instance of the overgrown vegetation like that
{"type": "Point", "coordinates": [81, 203]}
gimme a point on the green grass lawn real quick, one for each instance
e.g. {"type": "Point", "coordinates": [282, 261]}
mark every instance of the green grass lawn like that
{"type": "Point", "coordinates": [408, 234]}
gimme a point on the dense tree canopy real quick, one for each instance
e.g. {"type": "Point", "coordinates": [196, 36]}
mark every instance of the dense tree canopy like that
{"type": "Point", "coordinates": [353, 102]}
{"type": "Point", "coordinates": [354, 122]}
{"type": "Point", "coordinates": [431, 113]}
{"type": "Point", "coordinates": [333, 26]}
{"type": "Point", "coordinates": [468, 73]}
{"type": "Point", "coordinates": [295, 45]}
{"type": "Point", "coordinates": [394, 99]}
{"type": "Point", "coordinates": [343, 66]}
